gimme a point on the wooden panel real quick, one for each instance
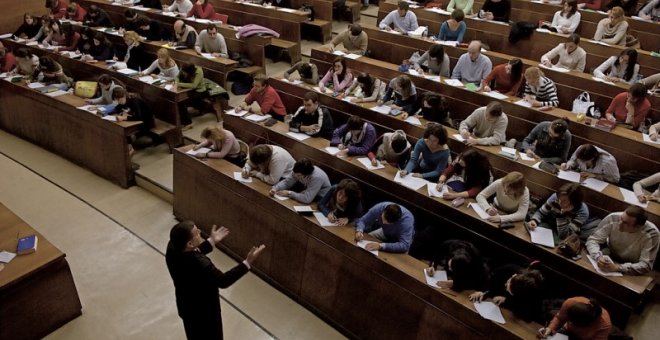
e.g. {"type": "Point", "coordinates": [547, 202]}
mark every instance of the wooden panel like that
{"type": "Point", "coordinates": [12, 12]}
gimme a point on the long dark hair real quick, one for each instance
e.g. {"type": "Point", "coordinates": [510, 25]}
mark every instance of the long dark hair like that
{"type": "Point", "coordinates": [632, 61]}
{"type": "Point", "coordinates": [342, 61]}
{"type": "Point", "coordinates": [351, 190]}
{"type": "Point", "coordinates": [305, 70]}
{"type": "Point", "coordinates": [187, 72]}
{"type": "Point", "coordinates": [573, 6]}
{"type": "Point", "coordinates": [476, 172]}
{"type": "Point", "coordinates": [516, 69]}
{"type": "Point", "coordinates": [367, 82]}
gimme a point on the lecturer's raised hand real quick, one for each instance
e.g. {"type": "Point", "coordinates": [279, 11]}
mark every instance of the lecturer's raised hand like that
{"type": "Point", "coordinates": [254, 253]}
{"type": "Point", "coordinates": [218, 233]}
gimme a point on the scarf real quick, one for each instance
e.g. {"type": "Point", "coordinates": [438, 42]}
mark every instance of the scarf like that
{"type": "Point", "coordinates": [349, 139]}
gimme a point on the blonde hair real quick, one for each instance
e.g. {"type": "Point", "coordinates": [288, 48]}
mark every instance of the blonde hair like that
{"type": "Point", "coordinates": [533, 73]}
{"type": "Point", "coordinates": [214, 134]}
{"type": "Point", "coordinates": [617, 12]}
{"type": "Point", "coordinates": [164, 54]}
{"type": "Point", "coordinates": [131, 35]}
{"type": "Point", "coordinates": [514, 181]}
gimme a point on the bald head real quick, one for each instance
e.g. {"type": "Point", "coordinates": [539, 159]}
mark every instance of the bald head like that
{"type": "Point", "coordinates": [474, 49]}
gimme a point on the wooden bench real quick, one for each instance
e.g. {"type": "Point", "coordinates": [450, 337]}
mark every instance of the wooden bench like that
{"type": "Point", "coordinates": [167, 131]}
{"type": "Point", "coordinates": [322, 27]}
{"type": "Point", "coordinates": [285, 49]}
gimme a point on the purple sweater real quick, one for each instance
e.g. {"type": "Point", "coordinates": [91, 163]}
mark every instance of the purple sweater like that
{"type": "Point", "coordinates": [341, 135]}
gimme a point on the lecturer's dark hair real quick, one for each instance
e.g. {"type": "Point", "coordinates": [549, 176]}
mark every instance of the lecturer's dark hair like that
{"type": "Point", "coordinates": [180, 234]}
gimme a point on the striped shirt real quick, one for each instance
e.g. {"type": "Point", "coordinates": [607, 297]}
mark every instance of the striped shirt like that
{"type": "Point", "coordinates": [546, 92]}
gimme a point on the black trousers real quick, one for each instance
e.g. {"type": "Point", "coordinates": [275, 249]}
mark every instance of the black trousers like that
{"type": "Point", "coordinates": [203, 327]}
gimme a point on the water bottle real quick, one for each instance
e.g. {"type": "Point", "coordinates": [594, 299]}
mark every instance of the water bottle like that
{"type": "Point", "coordinates": [481, 14]}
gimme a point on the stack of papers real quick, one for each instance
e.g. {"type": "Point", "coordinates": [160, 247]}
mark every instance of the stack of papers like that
{"type": "Point", "coordinates": [602, 80]}
{"type": "Point", "coordinates": [337, 52]}
{"type": "Point", "coordinates": [524, 157]}
{"type": "Point", "coordinates": [35, 85]}
{"type": "Point", "coordinates": [555, 68]}
{"type": "Point", "coordinates": [447, 43]}
{"type": "Point", "coordinates": [295, 81]}
{"type": "Point", "coordinates": [303, 209]}
{"type": "Point", "coordinates": [439, 275]}
{"type": "Point", "coordinates": [110, 118]}
{"type": "Point", "coordinates": [362, 244]}
{"type": "Point", "coordinates": [432, 77]}
{"type": "Point", "coordinates": [6, 256]}
{"type": "Point", "coordinates": [413, 72]}
{"type": "Point", "coordinates": [239, 177]}
{"type": "Point", "coordinates": [148, 79]}
{"type": "Point", "coordinates": [509, 153]}
{"type": "Point", "coordinates": [208, 55]}
{"type": "Point", "coordinates": [367, 164]}
{"type": "Point", "coordinates": [489, 311]}
{"type": "Point", "coordinates": [410, 181]}
{"type": "Point", "coordinates": [352, 56]}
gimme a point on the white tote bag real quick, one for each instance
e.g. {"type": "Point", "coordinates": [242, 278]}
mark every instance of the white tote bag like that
{"type": "Point", "coordinates": [582, 103]}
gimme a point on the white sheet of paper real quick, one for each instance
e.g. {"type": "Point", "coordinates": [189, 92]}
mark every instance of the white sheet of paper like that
{"type": "Point", "coordinates": [239, 113]}
{"type": "Point", "coordinates": [289, 10]}
{"type": "Point", "coordinates": [110, 118]}
{"type": "Point", "coordinates": [458, 137]}
{"type": "Point", "coordinates": [128, 71]}
{"type": "Point", "coordinates": [542, 236]}
{"type": "Point", "coordinates": [294, 82]}
{"type": "Point", "coordinates": [352, 56]}
{"type": "Point", "coordinates": [489, 311]}
{"type": "Point", "coordinates": [318, 89]}
{"type": "Point", "coordinates": [447, 43]}
{"type": "Point", "coordinates": [479, 210]}
{"type": "Point", "coordinates": [147, 79]}
{"type": "Point", "coordinates": [630, 197]}
{"type": "Point", "coordinates": [239, 177]}
{"type": "Point", "coordinates": [323, 221]}
{"type": "Point", "coordinates": [362, 244]}
{"type": "Point", "coordinates": [281, 198]}
{"type": "Point", "coordinates": [36, 85]}
{"type": "Point", "coordinates": [595, 184]}
{"type": "Point", "coordinates": [333, 150]}
{"type": "Point", "coordinates": [410, 181]}
{"type": "Point", "coordinates": [208, 55]}
{"type": "Point", "coordinates": [599, 271]}
{"type": "Point", "coordinates": [168, 87]}
{"type": "Point", "coordinates": [413, 72]}
{"type": "Point", "coordinates": [198, 151]}
{"type": "Point", "coordinates": [572, 176]}
{"type": "Point", "coordinates": [555, 68]}
{"type": "Point", "coordinates": [647, 139]}
{"type": "Point", "coordinates": [349, 99]}
{"type": "Point", "coordinates": [524, 157]}
{"type": "Point", "coordinates": [6, 256]}
{"type": "Point", "coordinates": [558, 336]}
{"type": "Point", "coordinates": [88, 108]}
{"type": "Point", "coordinates": [6, 36]}
{"type": "Point", "coordinates": [496, 95]}
{"type": "Point", "coordinates": [454, 82]}
{"type": "Point", "coordinates": [297, 135]}
{"type": "Point", "coordinates": [439, 275]}
{"type": "Point", "coordinates": [337, 52]}
{"type": "Point", "coordinates": [523, 102]}
{"type": "Point", "coordinates": [510, 151]}
{"type": "Point", "coordinates": [384, 109]}
{"type": "Point", "coordinates": [537, 166]}
{"type": "Point", "coordinates": [257, 118]}
{"type": "Point", "coordinates": [542, 30]}
{"type": "Point", "coordinates": [432, 77]}
{"type": "Point", "coordinates": [367, 164]}
{"type": "Point", "coordinates": [432, 192]}
{"type": "Point", "coordinates": [56, 93]}
{"type": "Point", "coordinates": [414, 120]}
{"type": "Point", "coordinates": [602, 80]}
{"type": "Point", "coordinates": [302, 208]}
{"type": "Point", "coordinates": [419, 31]}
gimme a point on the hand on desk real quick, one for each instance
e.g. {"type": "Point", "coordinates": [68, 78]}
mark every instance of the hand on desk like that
{"type": "Point", "coordinates": [605, 263]}
{"type": "Point", "coordinates": [372, 246]}
{"type": "Point", "coordinates": [530, 152]}
{"type": "Point", "coordinates": [472, 141]}
{"type": "Point", "coordinates": [446, 284]}
{"type": "Point", "coordinates": [359, 236]}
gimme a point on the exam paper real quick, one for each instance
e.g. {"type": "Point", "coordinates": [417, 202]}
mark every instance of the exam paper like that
{"type": "Point", "coordinates": [413, 120]}
{"type": "Point", "coordinates": [6, 256]}
{"type": "Point", "coordinates": [110, 118]}
{"type": "Point", "coordinates": [523, 102]}
{"type": "Point", "coordinates": [239, 113]}
{"type": "Point", "coordinates": [367, 164]}
{"type": "Point", "coordinates": [198, 151]}
{"type": "Point", "coordinates": [297, 135]}
{"type": "Point", "coordinates": [647, 139]}
{"type": "Point", "coordinates": [362, 244]}
{"type": "Point", "coordinates": [433, 192]}
{"type": "Point", "coordinates": [459, 138]}
{"type": "Point", "coordinates": [489, 311]}
{"type": "Point", "coordinates": [410, 181]}
{"type": "Point", "coordinates": [439, 275]}
{"type": "Point", "coordinates": [302, 208]}
{"type": "Point", "coordinates": [479, 210]}
{"type": "Point", "coordinates": [384, 109]}
{"type": "Point", "coordinates": [56, 93]}
{"type": "Point", "coordinates": [629, 197]}
{"type": "Point", "coordinates": [496, 95]}
{"type": "Point", "coordinates": [595, 184]}
{"type": "Point", "coordinates": [239, 177]}
{"type": "Point", "coordinates": [572, 176]}
{"type": "Point", "coordinates": [257, 118]}
{"type": "Point", "coordinates": [542, 236]}
{"type": "Point", "coordinates": [333, 150]}
{"type": "Point", "coordinates": [524, 157]}
{"type": "Point", "coordinates": [594, 263]}
{"type": "Point", "coordinates": [454, 82]}
{"type": "Point", "coordinates": [281, 198]}
{"type": "Point", "coordinates": [323, 221]}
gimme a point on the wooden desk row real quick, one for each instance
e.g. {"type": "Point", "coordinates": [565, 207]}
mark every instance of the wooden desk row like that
{"type": "Point", "coordinates": [620, 295]}
{"type": "Point", "coordinates": [37, 291]}
{"type": "Point", "coordinates": [619, 141]}
{"type": "Point", "coordinates": [394, 48]}
{"type": "Point", "coordinates": [364, 296]}
{"type": "Point", "coordinates": [496, 35]}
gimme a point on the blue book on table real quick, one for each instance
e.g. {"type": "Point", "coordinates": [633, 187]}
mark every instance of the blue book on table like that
{"type": "Point", "coordinates": [27, 245]}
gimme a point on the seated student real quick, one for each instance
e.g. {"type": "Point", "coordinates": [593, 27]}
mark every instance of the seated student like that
{"type": "Point", "coordinates": [210, 41]}
{"type": "Point", "coordinates": [85, 42]}
{"type": "Point", "coordinates": [467, 175]}
{"type": "Point", "coordinates": [97, 17]}
{"type": "Point", "coordinates": [355, 138]}
{"type": "Point", "coordinates": [353, 40]}
{"type": "Point", "coordinates": [497, 10]}
{"type": "Point", "coordinates": [485, 125]}
{"type": "Point", "coordinates": [463, 5]}
{"type": "Point", "coordinates": [185, 35]}
{"type": "Point", "coordinates": [629, 6]}
{"type": "Point", "coordinates": [130, 108]}
{"type": "Point", "coordinates": [62, 36]}
{"type": "Point", "coordinates": [593, 162]}
{"type": "Point", "coordinates": [571, 56]}
{"type": "Point", "coordinates": [623, 68]}
{"type": "Point", "coordinates": [312, 118]}
{"type": "Point", "coordinates": [632, 242]}
{"type": "Point", "coordinates": [365, 88]}
{"type": "Point", "coordinates": [454, 28]}
{"type": "Point", "coordinates": [155, 4]}
{"type": "Point", "coordinates": [136, 57]}
{"type": "Point", "coordinates": [434, 61]}
{"type": "Point", "coordinates": [190, 77]}
{"type": "Point", "coordinates": [101, 48]}
{"type": "Point", "coordinates": [507, 78]}
{"type": "Point", "coordinates": [29, 28]}
{"type": "Point", "coordinates": [403, 93]}
{"type": "Point", "coordinates": [590, 4]}
{"type": "Point", "coordinates": [51, 73]}
{"type": "Point", "coordinates": [263, 99]}
{"type": "Point", "coordinates": [223, 145]}
{"type": "Point", "coordinates": [565, 21]}
{"type": "Point", "coordinates": [149, 29]}
{"type": "Point", "coordinates": [654, 132]}
{"type": "Point", "coordinates": [164, 64]}
{"type": "Point", "coordinates": [644, 195]}
{"type": "Point", "coordinates": [342, 204]}
{"type": "Point", "coordinates": [564, 212]}
{"type": "Point", "coordinates": [652, 84]}
{"type": "Point", "coordinates": [549, 141]}
{"type": "Point", "coordinates": [27, 64]}
{"type": "Point", "coordinates": [401, 19]}
{"type": "Point", "coordinates": [306, 183]}
{"type": "Point", "coordinates": [179, 6]}
{"type": "Point", "coordinates": [75, 12]}
{"type": "Point", "coordinates": [430, 155]}
{"type": "Point", "coordinates": [391, 224]}
{"type": "Point", "coordinates": [308, 72]}
{"type": "Point", "coordinates": [517, 289]}
{"type": "Point", "coordinates": [434, 109]}
{"type": "Point", "coordinates": [511, 198]}
{"type": "Point", "coordinates": [472, 67]}
{"type": "Point", "coordinates": [629, 107]}
{"type": "Point", "coordinates": [131, 18]}
{"type": "Point", "coordinates": [581, 319]}
{"type": "Point", "coordinates": [107, 85]}
{"type": "Point", "coordinates": [338, 78]}
{"type": "Point", "coordinates": [540, 91]}
{"type": "Point", "coordinates": [391, 147]}
{"type": "Point", "coordinates": [463, 263]}
{"type": "Point", "coordinates": [202, 9]}
{"type": "Point", "coordinates": [269, 163]}
{"type": "Point", "coordinates": [57, 8]}
{"type": "Point", "coordinates": [651, 11]}
{"type": "Point", "coordinates": [7, 60]}
{"type": "Point", "coordinates": [612, 30]}
{"type": "Point", "coordinates": [44, 30]}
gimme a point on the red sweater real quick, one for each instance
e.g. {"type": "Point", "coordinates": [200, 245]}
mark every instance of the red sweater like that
{"type": "Point", "coordinates": [202, 12]}
{"type": "Point", "coordinates": [472, 192]}
{"type": "Point", "coordinates": [503, 81]}
{"type": "Point", "coordinates": [618, 109]}
{"type": "Point", "coordinates": [591, 4]}
{"type": "Point", "coordinates": [598, 331]}
{"type": "Point", "coordinates": [79, 15]}
{"type": "Point", "coordinates": [8, 62]}
{"type": "Point", "coordinates": [268, 100]}
{"type": "Point", "coordinates": [59, 11]}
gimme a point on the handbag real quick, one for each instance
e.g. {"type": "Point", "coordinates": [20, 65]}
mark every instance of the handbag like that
{"type": "Point", "coordinates": [570, 246]}
{"type": "Point", "coordinates": [582, 103]}
{"type": "Point", "coordinates": [85, 89]}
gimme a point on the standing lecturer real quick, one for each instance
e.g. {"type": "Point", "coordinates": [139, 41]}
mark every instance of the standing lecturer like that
{"type": "Point", "coordinates": [196, 279]}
